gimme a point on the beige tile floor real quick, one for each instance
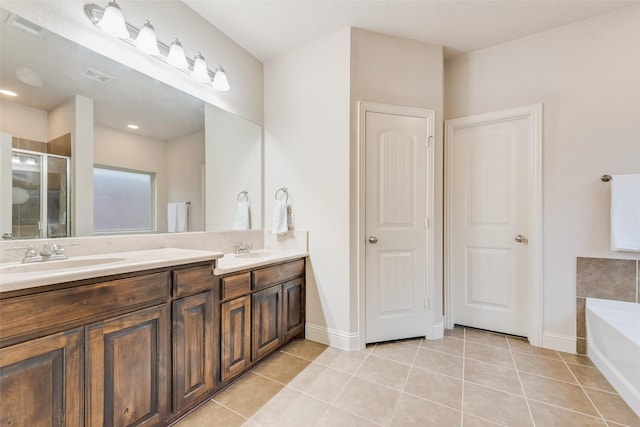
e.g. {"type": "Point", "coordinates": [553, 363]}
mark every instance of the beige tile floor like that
{"type": "Point", "coordinates": [470, 378]}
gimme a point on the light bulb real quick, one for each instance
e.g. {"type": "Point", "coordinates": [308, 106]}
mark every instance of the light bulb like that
{"type": "Point", "coordinates": [112, 21]}
{"type": "Point", "coordinates": [176, 55]}
{"type": "Point", "coordinates": [146, 40]}
{"type": "Point", "coordinates": [200, 72]}
{"type": "Point", "coordinates": [220, 81]}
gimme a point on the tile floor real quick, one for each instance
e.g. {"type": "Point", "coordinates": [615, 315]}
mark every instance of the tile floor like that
{"type": "Point", "coordinates": [470, 378]}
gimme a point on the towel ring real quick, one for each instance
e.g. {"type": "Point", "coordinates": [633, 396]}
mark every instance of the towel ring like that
{"type": "Point", "coordinates": [284, 190]}
{"type": "Point", "coordinates": [244, 193]}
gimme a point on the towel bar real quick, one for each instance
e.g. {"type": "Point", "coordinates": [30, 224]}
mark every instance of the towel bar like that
{"type": "Point", "coordinates": [286, 193]}
{"type": "Point", "coordinates": [245, 193]}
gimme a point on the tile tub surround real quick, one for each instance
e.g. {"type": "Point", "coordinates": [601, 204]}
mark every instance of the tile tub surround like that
{"type": "Point", "coordinates": [613, 279]}
{"type": "Point", "coordinates": [469, 378]}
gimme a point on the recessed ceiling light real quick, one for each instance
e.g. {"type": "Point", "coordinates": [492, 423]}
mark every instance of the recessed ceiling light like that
{"type": "Point", "coordinates": [8, 92]}
{"type": "Point", "coordinates": [132, 126]}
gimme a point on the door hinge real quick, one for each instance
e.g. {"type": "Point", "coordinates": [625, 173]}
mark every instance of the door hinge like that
{"type": "Point", "coordinates": [427, 141]}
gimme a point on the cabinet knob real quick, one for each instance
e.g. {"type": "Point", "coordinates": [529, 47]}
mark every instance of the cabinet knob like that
{"type": "Point", "coordinates": [373, 239]}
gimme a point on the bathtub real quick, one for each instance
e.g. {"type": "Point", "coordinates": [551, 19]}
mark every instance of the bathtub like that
{"type": "Point", "coordinates": [613, 344]}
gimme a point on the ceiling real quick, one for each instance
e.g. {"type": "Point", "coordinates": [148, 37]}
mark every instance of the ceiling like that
{"type": "Point", "coordinates": [269, 28]}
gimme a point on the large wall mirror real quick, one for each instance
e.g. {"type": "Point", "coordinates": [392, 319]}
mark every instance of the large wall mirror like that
{"type": "Point", "coordinates": [182, 151]}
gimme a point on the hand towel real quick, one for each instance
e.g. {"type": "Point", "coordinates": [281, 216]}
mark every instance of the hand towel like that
{"type": "Point", "coordinates": [177, 217]}
{"type": "Point", "coordinates": [241, 220]}
{"type": "Point", "coordinates": [625, 212]}
{"type": "Point", "coordinates": [279, 217]}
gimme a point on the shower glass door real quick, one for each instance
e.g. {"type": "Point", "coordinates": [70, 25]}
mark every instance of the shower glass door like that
{"type": "Point", "coordinates": [40, 198]}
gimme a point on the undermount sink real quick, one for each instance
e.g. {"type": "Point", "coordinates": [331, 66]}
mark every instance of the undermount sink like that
{"type": "Point", "coordinates": [56, 265]}
{"type": "Point", "coordinates": [254, 255]}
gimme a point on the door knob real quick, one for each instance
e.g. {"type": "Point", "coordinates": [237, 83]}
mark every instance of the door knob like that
{"type": "Point", "coordinates": [521, 239]}
{"type": "Point", "coordinates": [373, 239]}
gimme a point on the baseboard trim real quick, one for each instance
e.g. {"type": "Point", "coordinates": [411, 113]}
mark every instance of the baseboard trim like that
{"type": "Point", "coordinates": [349, 341]}
{"type": "Point", "coordinates": [566, 343]}
{"type": "Point", "coordinates": [437, 331]}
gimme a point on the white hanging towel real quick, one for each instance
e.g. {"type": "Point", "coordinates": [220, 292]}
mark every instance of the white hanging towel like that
{"type": "Point", "coordinates": [279, 217]}
{"type": "Point", "coordinates": [625, 212]}
{"type": "Point", "coordinates": [241, 220]}
{"type": "Point", "coordinates": [177, 217]}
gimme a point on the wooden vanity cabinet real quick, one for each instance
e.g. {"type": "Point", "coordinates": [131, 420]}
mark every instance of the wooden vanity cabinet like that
{"type": "Point", "coordinates": [195, 337]}
{"type": "Point", "coordinates": [235, 325]}
{"type": "Point", "coordinates": [41, 382]}
{"type": "Point", "coordinates": [127, 369]}
{"type": "Point", "coordinates": [261, 310]}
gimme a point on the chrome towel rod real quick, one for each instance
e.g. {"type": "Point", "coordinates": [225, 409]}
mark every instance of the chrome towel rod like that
{"type": "Point", "coordinates": [605, 178]}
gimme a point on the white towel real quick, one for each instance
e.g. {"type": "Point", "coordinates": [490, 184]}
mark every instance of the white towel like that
{"type": "Point", "coordinates": [625, 212]}
{"type": "Point", "coordinates": [279, 217]}
{"type": "Point", "coordinates": [241, 220]}
{"type": "Point", "coordinates": [177, 217]}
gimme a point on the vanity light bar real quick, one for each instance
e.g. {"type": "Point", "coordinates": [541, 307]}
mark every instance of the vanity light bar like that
{"type": "Point", "coordinates": [95, 14]}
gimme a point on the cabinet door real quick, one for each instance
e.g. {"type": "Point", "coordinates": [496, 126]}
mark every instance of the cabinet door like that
{"type": "Point", "coordinates": [266, 307]}
{"type": "Point", "coordinates": [41, 382]}
{"type": "Point", "coordinates": [127, 359]}
{"type": "Point", "coordinates": [193, 349]}
{"type": "Point", "coordinates": [236, 336]}
{"type": "Point", "coordinates": [293, 308]}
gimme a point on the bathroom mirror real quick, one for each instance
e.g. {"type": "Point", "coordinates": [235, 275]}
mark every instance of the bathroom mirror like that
{"type": "Point", "coordinates": [171, 143]}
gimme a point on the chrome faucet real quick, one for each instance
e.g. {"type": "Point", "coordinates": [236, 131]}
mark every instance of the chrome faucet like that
{"type": "Point", "coordinates": [48, 252]}
{"type": "Point", "coordinates": [243, 248]}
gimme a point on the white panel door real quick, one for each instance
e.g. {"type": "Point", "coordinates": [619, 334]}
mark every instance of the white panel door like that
{"type": "Point", "coordinates": [489, 253]}
{"type": "Point", "coordinates": [395, 150]}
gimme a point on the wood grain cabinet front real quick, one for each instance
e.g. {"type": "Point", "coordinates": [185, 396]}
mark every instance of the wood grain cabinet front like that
{"type": "Point", "coordinates": [127, 369]}
{"type": "Point", "coordinates": [236, 337]}
{"type": "Point", "coordinates": [194, 349]}
{"type": "Point", "coordinates": [41, 382]}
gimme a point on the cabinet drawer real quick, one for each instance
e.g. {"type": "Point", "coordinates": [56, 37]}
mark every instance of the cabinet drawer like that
{"type": "Point", "coordinates": [235, 286]}
{"type": "Point", "coordinates": [269, 276]}
{"type": "Point", "coordinates": [192, 280]}
{"type": "Point", "coordinates": [40, 314]}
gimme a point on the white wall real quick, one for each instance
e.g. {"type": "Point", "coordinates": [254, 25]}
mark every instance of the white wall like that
{"type": "Point", "coordinates": [170, 19]}
{"type": "Point", "coordinates": [128, 151]}
{"type": "Point", "coordinates": [307, 149]}
{"type": "Point", "coordinates": [185, 160]}
{"type": "Point", "coordinates": [398, 71]}
{"type": "Point", "coordinates": [23, 122]}
{"type": "Point", "coordinates": [587, 75]}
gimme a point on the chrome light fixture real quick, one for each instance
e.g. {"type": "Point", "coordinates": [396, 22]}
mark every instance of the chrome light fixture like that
{"type": "Point", "coordinates": [200, 72]}
{"type": "Point", "coordinates": [112, 21]}
{"type": "Point", "coordinates": [146, 40]}
{"type": "Point", "coordinates": [176, 56]}
{"type": "Point", "coordinates": [220, 81]}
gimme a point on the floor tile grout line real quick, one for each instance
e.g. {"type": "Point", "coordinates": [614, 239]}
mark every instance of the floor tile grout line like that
{"type": "Point", "coordinates": [464, 360]}
{"type": "Point", "coordinates": [586, 394]}
{"type": "Point", "coordinates": [353, 375]}
{"type": "Point", "coordinates": [404, 384]}
{"type": "Point", "coordinates": [568, 409]}
{"type": "Point", "coordinates": [227, 408]}
{"type": "Point", "coordinates": [524, 393]}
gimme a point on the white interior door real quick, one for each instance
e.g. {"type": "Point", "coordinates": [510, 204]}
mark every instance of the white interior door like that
{"type": "Point", "coordinates": [395, 226]}
{"type": "Point", "coordinates": [488, 210]}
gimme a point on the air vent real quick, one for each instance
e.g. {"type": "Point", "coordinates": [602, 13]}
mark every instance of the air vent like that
{"type": "Point", "coordinates": [23, 24]}
{"type": "Point", "coordinates": [97, 76]}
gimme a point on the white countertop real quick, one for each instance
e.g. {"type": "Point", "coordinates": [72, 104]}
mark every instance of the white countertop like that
{"type": "Point", "coordinates": [231, 263]}
{"type": "Point", "coordinates": [16, 276]}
